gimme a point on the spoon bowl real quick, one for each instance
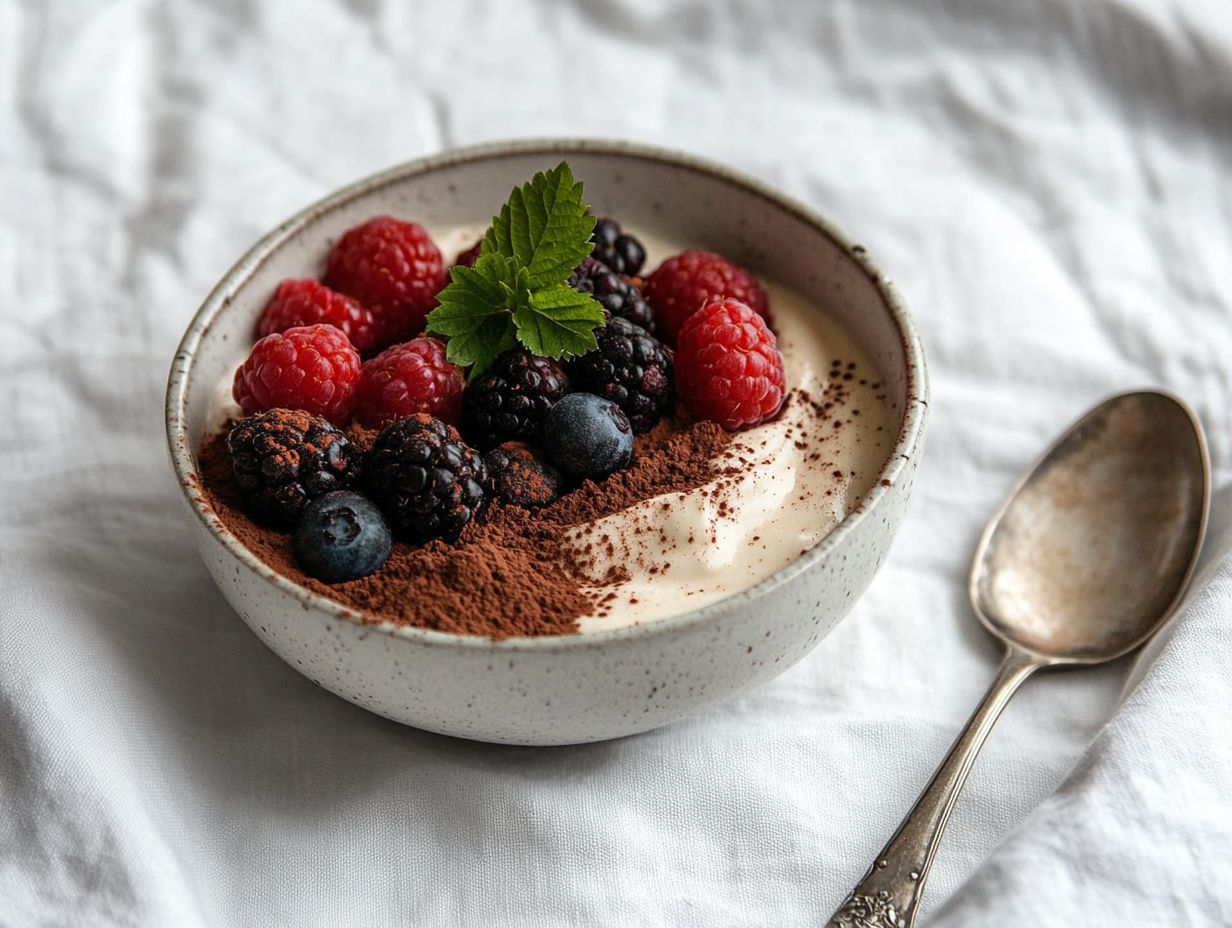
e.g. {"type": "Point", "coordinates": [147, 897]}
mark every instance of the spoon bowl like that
{"type": "Point", "coordinates": [1095, 545]}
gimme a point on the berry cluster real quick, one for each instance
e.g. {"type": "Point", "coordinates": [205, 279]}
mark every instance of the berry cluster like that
{"type": "Point", "coordinates": [510, 400]}
{"type": "Point", "coordinates": [283, 458]}
{"type": "Point", "coordinates": [617, 294]}
{"type": "Point", "coordinates": [523, 431]}
{"type": "Point", "coordinates": [631, 368]}
{"type": "Point", "coordinates": [513, 402]}
{"type": "Point", "coordinates": [429, 481]}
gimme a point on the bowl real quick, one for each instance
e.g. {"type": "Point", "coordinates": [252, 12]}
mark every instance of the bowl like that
{"type": "Point", "coordinates": [570, 688]}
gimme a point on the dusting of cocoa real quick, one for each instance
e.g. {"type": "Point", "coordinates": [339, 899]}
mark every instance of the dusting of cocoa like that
{"type": "Point", "coordinates": [507, 576]}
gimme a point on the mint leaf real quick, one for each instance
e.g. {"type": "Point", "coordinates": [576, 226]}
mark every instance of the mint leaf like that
{"type": "Point", "coordinates": [517, 290]}
{"type": "Point", "coordinates": [559, 322]}
{"type": "Point", "coordinates": [476, 311]}
{"type": "Point", "coordinates": [544, 227]}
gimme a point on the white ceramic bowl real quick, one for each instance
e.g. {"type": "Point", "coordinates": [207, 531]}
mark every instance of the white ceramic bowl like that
{"type": "Point", "coordinates": [566, 689]}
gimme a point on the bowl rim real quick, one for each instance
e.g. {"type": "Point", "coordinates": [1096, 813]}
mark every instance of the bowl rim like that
{"type": "Point", "coordinates": [897, 459]}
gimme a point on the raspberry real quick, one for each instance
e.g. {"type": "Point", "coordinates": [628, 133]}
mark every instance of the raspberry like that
{"type": "Point", "coordinates": [308, 302]}
{"type": "Point", "coordinates": [427, 481]}
{"type": "Point", "coordinates": [283, 458]}
{"type": "Point", "coordinates": [313, 367]}
{"type": "Point", "coordinates": [728, 366]}
{"type": "Point", "coordinates": [621, 252]}
{"type": "Point", "coordinates": [470, 256]}
{"type": "Point", "coordinates": [618, 295]}
{"type": "Point", "coordinates": [409, 378]}
{"type": "Point", "coordinates": [520, 477]}
{"type": "Point", "coordinates": [631, 368]}
{"type": "Point", "coordinates": [511, 398]}
{"type": "Point", "coordinates": [394, 269]}
{"type": "Point", "coordinates": [685, 282]}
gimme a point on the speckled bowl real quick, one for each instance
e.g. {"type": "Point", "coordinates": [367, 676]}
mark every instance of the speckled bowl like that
{"type": "Point", "coordinates": [567, 689]}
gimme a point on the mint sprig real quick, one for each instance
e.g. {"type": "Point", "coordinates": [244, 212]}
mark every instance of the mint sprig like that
{"type": "Point", "coordinates": [559, 322]}
{"type": "Point", "coordinates": [517, 293]}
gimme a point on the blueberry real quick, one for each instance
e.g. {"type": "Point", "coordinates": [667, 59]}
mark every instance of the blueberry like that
{"type": "Point", "coordinates": [341, 536]}
{"type": "Point", "coordinates": [587, 436]}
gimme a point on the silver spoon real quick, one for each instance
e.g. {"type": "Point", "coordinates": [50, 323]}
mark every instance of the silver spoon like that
{"type": "Point", "coordinates": [1081, 564]}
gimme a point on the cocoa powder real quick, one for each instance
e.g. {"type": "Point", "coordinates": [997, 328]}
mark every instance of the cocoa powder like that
{"type": "Point", "coordinates": [507, 575]}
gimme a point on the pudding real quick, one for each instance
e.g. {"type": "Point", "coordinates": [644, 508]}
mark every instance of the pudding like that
{"type": "Point", "coordinates": [701, 514]}
{"type": "Point", "coordinates": [782, 486]}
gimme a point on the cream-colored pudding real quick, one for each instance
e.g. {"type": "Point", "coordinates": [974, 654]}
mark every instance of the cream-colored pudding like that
{"type": "Point", "coordinates": [797, 478]}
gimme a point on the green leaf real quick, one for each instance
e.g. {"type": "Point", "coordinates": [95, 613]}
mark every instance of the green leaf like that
{"type": "Point", "coordinates": [559, 322]}
{"type": "Point", "coordinates": [517, 291]}
{"type": "Point", "coordinates": [476, 311]}
{"type": "Point", "coordinates": [544, 227]}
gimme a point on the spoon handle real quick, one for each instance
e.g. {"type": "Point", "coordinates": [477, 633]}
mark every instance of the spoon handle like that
{"type": "Point", "coordinates": [890, 892]}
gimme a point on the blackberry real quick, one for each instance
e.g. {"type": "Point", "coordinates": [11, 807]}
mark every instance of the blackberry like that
{"type": "Point", "coordinates": [631, 368]}
{"type": "Point", "coordinates": [428, 482]}
{"type": "Point", "coordinates": [622, 253]}
{"type": "Point", "coordinates": [618, 295]}
{"type": "Point", "coordinates": [510, 399]}
{"type": "Point", "coordinates": [283, 458]}
{"type": "Point", "coordinates": [520, 477]}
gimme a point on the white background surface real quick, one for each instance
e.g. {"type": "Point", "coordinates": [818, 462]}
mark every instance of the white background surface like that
{"type": "Point", "coordinates": [1046, 181]}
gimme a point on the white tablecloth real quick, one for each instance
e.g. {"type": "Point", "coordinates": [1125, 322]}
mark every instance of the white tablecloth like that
{"type": "Point", "coordinates": [1047, 182]}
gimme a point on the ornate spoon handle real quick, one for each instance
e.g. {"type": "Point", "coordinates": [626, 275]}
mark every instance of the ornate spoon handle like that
{"type": "Point", "coordinates": [890, 892]}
